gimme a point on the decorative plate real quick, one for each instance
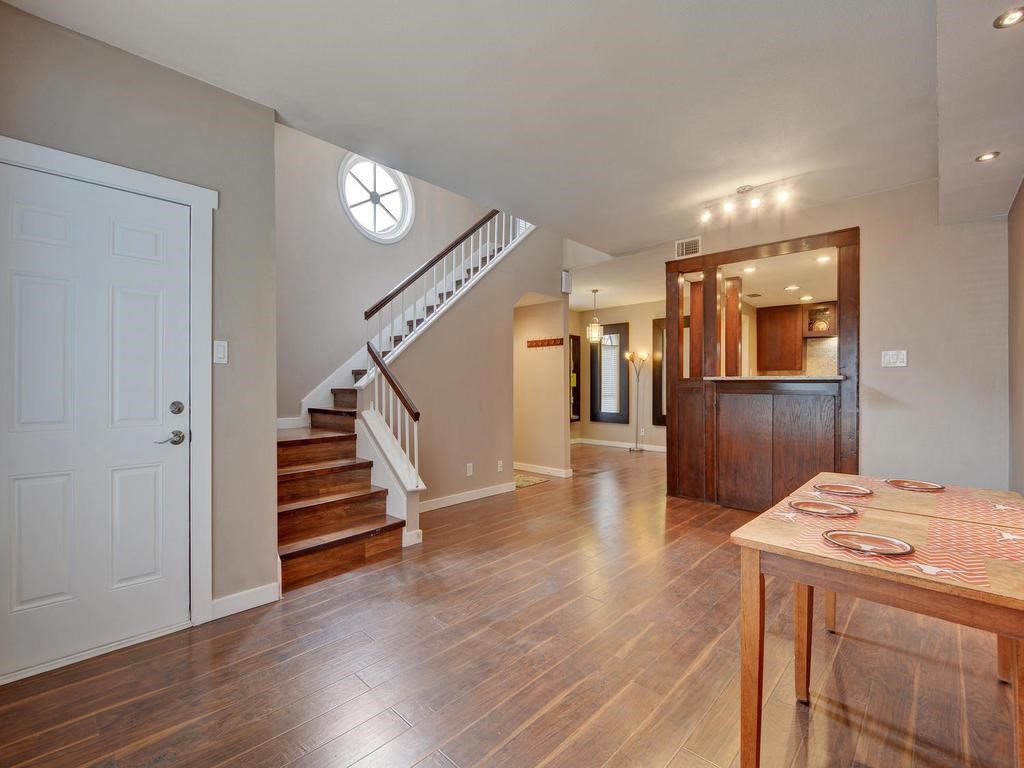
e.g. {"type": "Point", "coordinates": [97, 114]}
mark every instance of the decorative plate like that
{"type": "Point", "coordinates": [843, 489]}
{"type": "Point", "coordinates": [823, 508]}
{"type": "Point", "coordinates": [916, 485]}
{"type": "Point", "coordinates": [869, 543]}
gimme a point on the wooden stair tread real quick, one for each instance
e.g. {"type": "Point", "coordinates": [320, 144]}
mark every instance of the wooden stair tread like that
{"type": "Point", "coordinates": [297, 435]}
{"type": "Point", "coordinates": [338, 390]}
{"type": "Point", "coordinates": [338, 411]}
{"type": "Point", "coordinates": [358, 529]}
{"type": "Point", "coordinates": [316, 501]}
{"type": "Point", "coordinates": [322, 467]}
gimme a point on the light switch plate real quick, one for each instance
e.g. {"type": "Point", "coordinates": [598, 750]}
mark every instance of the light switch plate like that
{"type": "Point", "coordinates": [894, 358]}
{"type": "Point", "coordinates": [469, 469]}
{"type": "Point", "coordinates": [220, 352]}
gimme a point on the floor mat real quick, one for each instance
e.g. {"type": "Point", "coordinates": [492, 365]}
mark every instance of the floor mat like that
{"type": "Point", "coordinates": [525, 481]}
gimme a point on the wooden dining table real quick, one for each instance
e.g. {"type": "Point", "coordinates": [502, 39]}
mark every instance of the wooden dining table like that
{"type": "Point", "coordinates": [967, 567]}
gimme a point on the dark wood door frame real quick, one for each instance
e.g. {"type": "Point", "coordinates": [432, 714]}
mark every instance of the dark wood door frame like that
{"type": "Point", "coordinates": [847, 243]}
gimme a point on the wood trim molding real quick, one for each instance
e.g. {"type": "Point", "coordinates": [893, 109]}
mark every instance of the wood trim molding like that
{"type": "Point", "coordinates": [700, 483]}
{"type": "Point", "coordinates": [658, 329]}
{"type": "Point", "coordinates": [201, 202]}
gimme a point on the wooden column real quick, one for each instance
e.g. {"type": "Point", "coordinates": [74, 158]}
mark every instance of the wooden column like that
{"type": "Point", "coordinates": [673, 360]}
{"type": "Point", "coordinates": [696, 330]}
{"type": "Point", "coordinates": [733, 326]}
{"type": "Point", "coordinates": [849, 354]}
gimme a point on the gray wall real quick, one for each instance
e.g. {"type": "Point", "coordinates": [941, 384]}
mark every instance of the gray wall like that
{"type": "Point", "coordinates": [72, 93]}
{"type": "Point", "coordinates": [1016, 281]}
{"type": "Point", "coordinates": [938, 291]}
{"type": "Point", "coordinates": [329, 273]}
{"type": "Point", "coordinates": [460, 373]}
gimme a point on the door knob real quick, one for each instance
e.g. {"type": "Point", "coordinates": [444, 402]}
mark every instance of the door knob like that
{"type": "Point", "coordinates": [177, 438]}
{"type": "Point", "coordinates": [177, 407]}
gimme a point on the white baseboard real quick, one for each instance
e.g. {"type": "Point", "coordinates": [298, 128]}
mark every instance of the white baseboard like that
{"type": "Point", "coordinates": [10, 677]}
{"type": "Point", "coordinates": [459, 498]}
{"type": "Point", "coordinates": [617, 444]}
{"type": "Point", "coordinates": [243, 601]}
{"type": "Point", "coordinates": [538, 469]}
{"type": "Point", "coordinates": [411, 537]}
{"type": "Point", "coordinates": [291, 422]}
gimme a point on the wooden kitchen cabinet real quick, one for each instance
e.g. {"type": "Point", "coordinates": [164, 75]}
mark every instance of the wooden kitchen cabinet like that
{"type": "Point", "coordinates": [780, 338]}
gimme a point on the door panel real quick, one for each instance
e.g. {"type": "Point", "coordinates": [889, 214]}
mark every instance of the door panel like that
{"type": "Point", "coordinates": [94, 512]}
{"type": "Point", "coordinates": [744, 451]}
{"type": "Point", "coordinates": [804, 440]}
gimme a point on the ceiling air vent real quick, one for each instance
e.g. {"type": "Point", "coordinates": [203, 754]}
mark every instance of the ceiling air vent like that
{"type": "Point", "coordinates": [688, 247]}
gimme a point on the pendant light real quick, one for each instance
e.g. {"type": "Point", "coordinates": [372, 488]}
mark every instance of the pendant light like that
{"type": "Point", "coordinates": [595, 331]}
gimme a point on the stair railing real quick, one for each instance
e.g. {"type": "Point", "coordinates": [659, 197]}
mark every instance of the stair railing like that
{"type": "Point", "coordinates": [410, 303]}
{"type": "Point", "coordinates": [395, 407]}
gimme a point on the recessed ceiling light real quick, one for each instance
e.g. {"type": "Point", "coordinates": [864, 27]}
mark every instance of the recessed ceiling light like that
{"type": "Point", "coordinates": [823, 259]}
{"type": "Point", "coordinates": [755, 202]}
{"type": "Point", "coordinates": [782, 195]}
{"type": "Point", "coordinates": [728, 206]}
{"type": "Point", "coordinates": [748, 270]}
{"type": "Point", "coordinates": [807, 298]}
{"type": "Point", "coordinates": [984, 157]}
{"type": "Point", "coordinates": [1010, 18]}
{"type": "Point", "coordinates": [792, 288]}
{"type": "Point", "coordinates": [705, 216]}
{"type": "Point", "coordinates": [753, 295]}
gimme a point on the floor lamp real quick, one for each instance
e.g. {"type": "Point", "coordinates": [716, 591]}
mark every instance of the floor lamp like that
{"type": "Point", "coordinates": [637, 359]}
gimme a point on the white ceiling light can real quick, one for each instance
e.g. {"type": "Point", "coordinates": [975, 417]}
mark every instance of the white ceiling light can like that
{"type": "Point", "coordinates": [705, 217]}
{"type": "Point", "coordinates": [595, 331]}
{"type": "Point", "coordinates": [807, 298]}
{"type": "Point", "coordinates": [782, 195]}
{"type": "Point", "coordinates": [823, 259]}
{"type": "Point", "coordinates": [985, 157]}
{"type": "Point", "coordinates": [728, 206]}
{"type": "Point", "coordinates": [748, 270]}
{"type": "Point", "coordinates": [791, 288]}
{"type": "Point", "coordinates": [1011, 18]}
{"type": "Point", "coordinates": [755, 202]}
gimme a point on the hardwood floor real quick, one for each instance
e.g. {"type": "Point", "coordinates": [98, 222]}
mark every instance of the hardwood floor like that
{"type": "Point", "coordinates": [582, 622]}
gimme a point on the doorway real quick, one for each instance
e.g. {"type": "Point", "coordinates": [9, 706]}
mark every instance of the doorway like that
{"type": "Point", "coordinates": [101, 500]}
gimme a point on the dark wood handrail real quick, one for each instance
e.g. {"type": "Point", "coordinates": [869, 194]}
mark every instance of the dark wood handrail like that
{"type": "Point", "coordinates": [410, 406]}
{"type": "Point", "coordinates": [423, 270]}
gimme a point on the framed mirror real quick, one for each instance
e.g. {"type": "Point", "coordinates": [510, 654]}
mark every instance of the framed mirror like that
{"type": "Point", "coordinates": [659, 371]}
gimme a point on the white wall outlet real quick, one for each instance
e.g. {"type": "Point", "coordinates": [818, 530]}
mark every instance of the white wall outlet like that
{"type": "Point", "coordinates": [894, 358]}
{"type": "Point", "coordinates": [643, 431]}
{"type": "Point", "coordinates": [501, 465]}
{"type": "Point", "coordinates": [220, 352]}
{"type": "Point", "coordinates": [469, 469]}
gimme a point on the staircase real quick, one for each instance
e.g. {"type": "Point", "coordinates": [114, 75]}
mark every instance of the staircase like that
{"type": "Point", "coordinates": [330, 517]}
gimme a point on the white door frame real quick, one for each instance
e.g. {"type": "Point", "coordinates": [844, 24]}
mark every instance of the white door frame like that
{"type": "Point", "coordinates": [202, 203]}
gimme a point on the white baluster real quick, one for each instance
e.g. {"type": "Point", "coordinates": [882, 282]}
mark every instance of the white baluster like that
{"type": "Point", "coordinates": [416, 445]}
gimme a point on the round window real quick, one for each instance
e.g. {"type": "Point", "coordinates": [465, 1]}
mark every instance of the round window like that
{"type": "Point", "coordinates": [376, 198]}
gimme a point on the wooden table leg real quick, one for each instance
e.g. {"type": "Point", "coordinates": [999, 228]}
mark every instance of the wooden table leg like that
{"type": "Point", "coordinates": [803, 610]}
{"type": "Point", "coordinates": [1017, 659]}
{"type": "Point", "coordinates": [1005, 653]}
{"type": "Point", "coordinates": [830, 611]}
{"type": "Point", "coordinates": [751, 656]}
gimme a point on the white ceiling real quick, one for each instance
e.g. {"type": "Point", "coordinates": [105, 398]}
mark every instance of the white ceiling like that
{"type": "Point", "coordinates": [608, 122]}
{"type": "Point", "coordinates": [981, 107]}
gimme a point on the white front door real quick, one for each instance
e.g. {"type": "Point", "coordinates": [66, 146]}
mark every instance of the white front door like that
{"type": "Point", "coordinates": [94, 516]}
